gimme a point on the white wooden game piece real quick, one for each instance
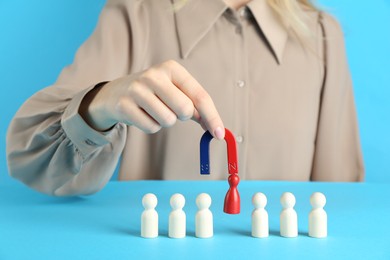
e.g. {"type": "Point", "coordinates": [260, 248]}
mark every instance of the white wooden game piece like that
{"type": "Point", "coordinates": [177, 217]}
{"type": "Point", "coordinates": [149, 217]}
{"type": "Point", "coordinates": [318, 219]}
{"type": "Point", "coordinates": [204, 217]}
{"type": "Point", "coordinates": [288, 216]}
{"type": "Point", "coordinates": [259, 216]}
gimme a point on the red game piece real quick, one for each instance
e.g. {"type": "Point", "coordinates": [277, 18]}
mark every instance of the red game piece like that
{"type": "Point", "coordinates": [232, 198]}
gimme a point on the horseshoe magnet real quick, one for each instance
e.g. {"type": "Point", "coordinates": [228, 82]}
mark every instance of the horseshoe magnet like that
{"type": "Point", "coordinates": [232, 198]}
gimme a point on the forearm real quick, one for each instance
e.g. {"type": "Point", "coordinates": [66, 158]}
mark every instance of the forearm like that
{"type": "Point", "coordinates": [51, 149]}
{"type": "Point", "coordinates": [49, 145]}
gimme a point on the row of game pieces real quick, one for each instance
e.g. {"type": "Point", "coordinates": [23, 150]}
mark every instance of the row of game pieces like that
{"type": "Point", "coordinates": [260, 227]}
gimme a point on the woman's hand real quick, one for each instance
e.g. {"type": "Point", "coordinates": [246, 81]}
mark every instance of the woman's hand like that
{"type": "Point", "coordinates": [152, 99]}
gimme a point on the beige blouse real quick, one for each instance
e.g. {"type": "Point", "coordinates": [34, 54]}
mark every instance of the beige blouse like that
{"type": "Point", "coordinates": [290, 107]}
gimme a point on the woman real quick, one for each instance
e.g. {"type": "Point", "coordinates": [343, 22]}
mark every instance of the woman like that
{"type": "Point", "coordinates": [273, 72]}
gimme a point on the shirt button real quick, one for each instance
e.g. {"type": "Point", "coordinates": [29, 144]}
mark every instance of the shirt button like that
{"type": "Point", "coordinates": [240, 139]}
{"type": "Point", "coordinates": [90, 142]}
{"type": "Point", "coordinates": [242, 12]}
{"type": "Point", "coordinates": [240, 83]}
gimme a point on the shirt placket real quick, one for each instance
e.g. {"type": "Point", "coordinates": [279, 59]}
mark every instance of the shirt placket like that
{"type": "Point", "coordinates": [241, 89]}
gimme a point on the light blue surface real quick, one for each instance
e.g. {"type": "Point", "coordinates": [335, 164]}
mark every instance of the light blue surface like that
{"type": "Point", "coordinates": [107, 225]}
{"type": "Point", "coordinates": [39, 37]}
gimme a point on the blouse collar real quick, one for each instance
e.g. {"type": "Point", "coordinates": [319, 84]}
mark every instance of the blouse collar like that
{"type": "Point", "coordinates": [196, 17]}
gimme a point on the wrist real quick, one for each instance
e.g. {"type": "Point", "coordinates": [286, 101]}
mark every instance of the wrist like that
{"type": "Point", "coordinates": [93, 112]}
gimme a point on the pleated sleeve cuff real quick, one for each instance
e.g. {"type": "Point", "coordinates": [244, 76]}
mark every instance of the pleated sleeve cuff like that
{"type": "Point", "coordinates": [85, 138]}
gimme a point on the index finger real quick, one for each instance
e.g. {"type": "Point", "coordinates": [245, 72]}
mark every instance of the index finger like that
{"type": "Point", "coordinates": [202, 101]}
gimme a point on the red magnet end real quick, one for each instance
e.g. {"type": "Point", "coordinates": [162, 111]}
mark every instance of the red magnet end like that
{"type": "Point", "coordinates": [232, 198]}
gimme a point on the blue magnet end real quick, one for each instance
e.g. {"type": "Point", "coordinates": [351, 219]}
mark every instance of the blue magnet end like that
{"type": "Point", "coordinates": [204, 153]}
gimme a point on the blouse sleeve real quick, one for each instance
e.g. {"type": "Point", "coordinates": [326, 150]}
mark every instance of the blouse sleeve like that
{"type": "Point", "coordinates": [338, 155]}
{"type": "Point", "coordinates": [49, 146]}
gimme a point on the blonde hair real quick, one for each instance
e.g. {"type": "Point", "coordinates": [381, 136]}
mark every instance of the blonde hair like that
{"type": "Point", "coordinates": [293, 15]}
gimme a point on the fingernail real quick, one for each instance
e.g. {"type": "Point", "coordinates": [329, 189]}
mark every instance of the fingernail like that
{"type": "Point", "coordinates": [219, 133]}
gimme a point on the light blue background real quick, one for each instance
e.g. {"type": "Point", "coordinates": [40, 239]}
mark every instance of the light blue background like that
{"type": "Point", "coordinates": [39, 37]}
{"type": "Point", "coordinates": [107, 225]}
